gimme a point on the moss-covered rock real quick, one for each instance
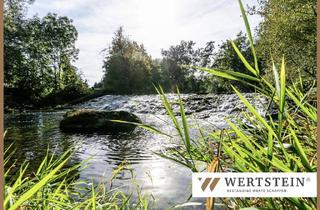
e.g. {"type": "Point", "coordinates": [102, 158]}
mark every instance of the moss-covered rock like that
{"type": "Point", "coordinates": [95, 121]}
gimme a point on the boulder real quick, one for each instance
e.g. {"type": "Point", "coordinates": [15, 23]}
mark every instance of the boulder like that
{"type": "Point", "coordinates": [97, 121]}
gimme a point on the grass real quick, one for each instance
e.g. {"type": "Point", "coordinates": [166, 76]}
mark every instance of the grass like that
{"type": "Point", "coordinates": [56, 186]}
{"type": "Point", "coordinates": [255, 142]}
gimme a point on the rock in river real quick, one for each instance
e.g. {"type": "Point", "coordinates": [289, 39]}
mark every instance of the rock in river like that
{"type": "Point", "coordinates": [97, 121]}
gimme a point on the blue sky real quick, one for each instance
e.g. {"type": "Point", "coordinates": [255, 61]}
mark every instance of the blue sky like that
{"type": "Point", "coordinates": [155, 23]}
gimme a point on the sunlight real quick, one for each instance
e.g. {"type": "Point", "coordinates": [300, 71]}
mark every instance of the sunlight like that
{"type": "Point", "coordinates": [157, 20]}
{"type": "Point", "coordinates": [118, 104]}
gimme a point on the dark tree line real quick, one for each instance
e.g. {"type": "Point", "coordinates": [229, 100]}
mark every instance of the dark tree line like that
{"type": "Point", "coordinates": [40, 52]}
{"type": "Point", "coordinates": [130, 70]}
{"type": "Point", "coordinates": [288, 29]}
{"type": "Point", "coordinates": [38, 55]}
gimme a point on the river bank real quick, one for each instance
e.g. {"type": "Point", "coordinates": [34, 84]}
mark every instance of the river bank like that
{"type": "Point", "coordinates": [32, 131]}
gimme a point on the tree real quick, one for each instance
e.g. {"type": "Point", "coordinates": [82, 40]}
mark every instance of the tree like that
{"type": "Point", "coordinates": [61, 45]}
{"type": "Point", "coordinates": [38, 52]}
{"type": "Point", "coordinates": [14, 24]}
{"type": "Point", "coordinates": [227, 59]}
{"type": "Point", "coordinates": [289, 29]}
{"type": "Point", "coordinates": [127, 66]}
{"type": "Point", "coordinates": [178, 57]}
{"type": "Point", "coordinates": [174, 58]}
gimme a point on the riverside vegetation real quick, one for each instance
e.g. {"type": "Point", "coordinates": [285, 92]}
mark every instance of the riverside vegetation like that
{"type": "Point", "coordinates": [256, 142]}
{"type": "Point", "coordinates": [40, 52]}
{"type": "Point", "coordinates": [54, 186]}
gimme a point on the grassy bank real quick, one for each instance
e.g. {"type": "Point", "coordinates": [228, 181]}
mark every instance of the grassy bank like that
{"type": "Point", "coordinates": [56, 186]}
{"type": "Point", "coordinates": [255, 142]}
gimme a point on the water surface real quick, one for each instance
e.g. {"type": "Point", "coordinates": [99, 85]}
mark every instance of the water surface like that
{"type": "Point", "coordinates": [169, 183]}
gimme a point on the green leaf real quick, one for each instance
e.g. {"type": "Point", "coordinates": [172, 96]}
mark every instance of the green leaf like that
{"type": "Point", "coordinates": [270, 145]}
{"type": "Point", "coordinates": [282, 96]}
{"type": "Point", "coordinates": [254, 160]}
{"type": "Point", "coordinates": [232, 75]}
{"type": "Point", "coordinates": [169, 111]}
{"type": "Point", "coordinates": [253, 110]}
{"type": "Point", "coordinates": [185, 125]}
{"type": "Point", "coordinates": [93, 198]}
{"type": "Point", "coordinates": [24, 197]}
{"type": "Point", "coordinates": [300, 151]}
{"type": "Point", "coordinates": [276, 78]}
{"type": "Point", "coordinates": [242, 58]}
{"type": "Point", "coordinates": [243, 12]}
{"type": "Point", "coordinates": [242, 136]}
{"type": "Point", "coordinates": [243, 76]}
{"type": "Point", "coordinates": [238, 158]}
{"type": "Point", "coordinates": [144, 126]}
{"type": "Point", "coordinates": [19, 181]}
{"type": "Point", "coordinates": [300, 204]}
{"type": "Point", "coordinates": [309, 112]}
{"type": "Point", "coordinates": [219, 73]}
{"type": "Point", "coordinates": [279, 164]}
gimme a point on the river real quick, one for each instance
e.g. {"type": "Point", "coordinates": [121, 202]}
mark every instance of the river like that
{"type": "Point", "coordinates": [169, 183]}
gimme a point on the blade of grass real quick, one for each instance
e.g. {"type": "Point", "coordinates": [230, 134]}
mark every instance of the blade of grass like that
{"type": "Point", "coordinates": [144, 126]}
{"type": "Point", "coordinates": [169, 110]}
{"type": "Point", "coordinates": [16, 184]}
{"type": "Point", "coordinates": [241, 135]}
{"type": "Point", "coordinates": [253, 110]}
{"type": "Point", "coordinates": [219, 73]}
{"type": "Point", "coordinates": [243, 12]}
{"type": "Point", "coordinates": [93, 198]}
{"type": "Point", "coordinates": [302, 154]}
{"type": "Point", "coordinates": [185, 125]}
{"type": "Point", "coordinates": [185, 129]}
{"type": "Point", "coordinates": [37, 186]}
{"type": "Point", "coordinates": [310, 113]}
{"type": "Point", "coordinates": [270, 145]}
{"type": "Point", "coordinates": [242, 58]}
{"type": "Point", "coordinates": [276, 78]}
{"type": "Point", "coordinates": [282, 96]}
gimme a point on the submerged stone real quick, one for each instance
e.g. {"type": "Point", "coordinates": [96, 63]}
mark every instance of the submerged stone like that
{"type": "Point", "coordinates": [97, 121]}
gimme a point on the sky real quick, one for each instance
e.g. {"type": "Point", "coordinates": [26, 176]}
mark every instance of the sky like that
{"type": "Point", "coordinates": [157, 24]}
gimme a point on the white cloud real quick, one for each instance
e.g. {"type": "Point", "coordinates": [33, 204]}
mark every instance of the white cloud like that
{"type": "Point", "coordinates": [156, 23]}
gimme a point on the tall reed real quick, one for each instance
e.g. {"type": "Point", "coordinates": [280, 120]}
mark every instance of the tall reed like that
{"type": "Point", "coordinates": [56, 186]}
{"type": "Point", "coordinates": [256, 142]}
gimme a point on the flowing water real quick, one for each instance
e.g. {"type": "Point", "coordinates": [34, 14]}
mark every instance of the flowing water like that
{"type": "Point", "coordinates": [169, 183]}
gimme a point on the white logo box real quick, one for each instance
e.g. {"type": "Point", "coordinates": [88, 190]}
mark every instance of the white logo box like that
{"type": "Point", "coordinates": [254, 185]}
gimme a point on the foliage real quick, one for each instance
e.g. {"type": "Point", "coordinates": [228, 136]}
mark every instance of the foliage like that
{"type": "Point", "coordinates": [127, 66]}
{"type": "Point", "coordinates": [289, 29]}
{"type": "Point", "coordinates": [255, 142]}
{"type": "Point", "coordinates": [38, 52]}
{"type": "Point", "coordinates": [176, 61]}
{"type": "Point", "coordinates": [127, 73]}
{"type": "Point", "coordinates": [226, 59]}
{"type": "Point", "coordinates": [61, 47]}
{"type": "Point", "coordinates": [56, 186]}
{"type": "Point", "coordinates": [173, 58]}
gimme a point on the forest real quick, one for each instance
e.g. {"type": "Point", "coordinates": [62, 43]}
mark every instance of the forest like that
{"type": "Point", "coordinates": [135, 138]}
{"type": "Point", "coordinates": [40, 52]}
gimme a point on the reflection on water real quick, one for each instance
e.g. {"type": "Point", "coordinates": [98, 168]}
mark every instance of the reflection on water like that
{"type": "Point", "coordinates": [32, 132]}
{"type": "Point", "coordinates": [169, 183]}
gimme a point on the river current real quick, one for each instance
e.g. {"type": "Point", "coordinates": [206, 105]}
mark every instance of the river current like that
{"type": "Point", "coordinates": [169, 183]}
